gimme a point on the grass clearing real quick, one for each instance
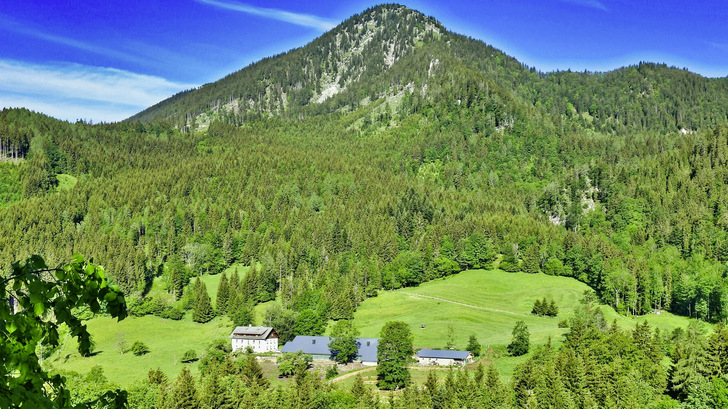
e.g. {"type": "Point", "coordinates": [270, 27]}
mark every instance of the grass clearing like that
{"type": "Point", "coordinates": [65, 181]}
{"type": "Point", "coordinates": [484, 303]}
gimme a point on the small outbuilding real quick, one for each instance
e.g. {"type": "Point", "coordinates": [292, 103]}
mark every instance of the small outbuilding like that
{"type": "Point", "coordinates": [260, 339]}
{"type": "Point", "coordinates": [443, 357]}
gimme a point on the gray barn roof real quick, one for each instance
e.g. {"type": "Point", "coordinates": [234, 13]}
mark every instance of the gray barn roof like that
{"type": "Point", "coordinates": [308, 344]}
{"type": "Point", "coordinates": [367, 349]}
{"type": "Point", "coordinates": [318, 345]}
{"type": "Point", "coordinates": [442, 354]}
{"type": "Point", "coordinates": [253, 333]}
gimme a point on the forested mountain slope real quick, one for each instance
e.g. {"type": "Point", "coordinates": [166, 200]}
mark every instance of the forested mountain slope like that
{"type": "Point", "coordinates": [399, 153]}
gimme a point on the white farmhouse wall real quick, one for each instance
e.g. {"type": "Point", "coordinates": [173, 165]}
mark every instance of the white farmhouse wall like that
{"type": "Point", "coordinates": [259, 346]}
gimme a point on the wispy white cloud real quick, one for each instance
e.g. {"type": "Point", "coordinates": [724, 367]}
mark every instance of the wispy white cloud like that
{"type": "Point", "coordinates": [10, 24]}
{"type": "Point", "coordinates": [718, 46]}
{"type": "Point", "coordinates": [595, 4]}
{"type": "Point", "coordinates": [136, 52]}
{"type": "Point", "coordinates": [72, 91]}
{"type": "Point", "coordinates": [300, 19]}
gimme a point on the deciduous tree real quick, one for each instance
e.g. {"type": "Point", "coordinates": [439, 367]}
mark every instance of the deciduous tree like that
{"type": "Point", "coordinates": [394, 352]}
{"type": "Point", "coordinates": [520, 342]}
{"type": "Point", "coordinates": [343, 341]}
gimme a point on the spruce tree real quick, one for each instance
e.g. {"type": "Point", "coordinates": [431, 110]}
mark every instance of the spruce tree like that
{"type": "Point", "coordinates": [233, 302]}
{"type": "Point", "coordinates": [550, 391]}
{"type": "Point", "coordinates": [185, 392]}
{"type": "Point", "coordinates": [537, 308]}
{"type": "Point", "coordinates": [688, 362]}
{"type": "Point", "coordinates": [176, 277]}
{"type": "Point", "coordinates": [430, 384]}
{"type": "Point", "coordinates": [571, 370]}
{"type": "Point", "coordinates": [358, 389]}
{"type": "Point", "coordinates": [234, 283]}
{"type": "Point", "coordinates": [524, 382]}
{"type": "Point", "coordinates": [242, 314]}
{"type": "Point", "coordinates": [163, 400]}
{"type": "Point", "coordinates": [223, 294]}
{"type": "Point", "coordinates": [495, 390]}
{"type": "Point", "coordinates": [552, 310]}
{"type": "Point", "coordinates": [249, 285]}
{"type": "Point", "coordinates": [479, 377]}
{"type": "Point", "coordinates": [252, 374]}
{"type": "Point", "coordinates": [531, 260]}
{"type": "Point", "coordinates": [717, 352]}
{"type": "Point", "coordinates": [216, 395]}
{"type": "Point", "coordinates": [203, 311]}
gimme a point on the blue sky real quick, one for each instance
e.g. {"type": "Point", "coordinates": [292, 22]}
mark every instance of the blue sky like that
{"type": "Point", "coordinates": [104, 60]}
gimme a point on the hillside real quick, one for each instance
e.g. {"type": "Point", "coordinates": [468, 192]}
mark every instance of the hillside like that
{"type": "Point", "coordinates": [391, 154]}
{"type": "Point", "coordinates": [448, 160]}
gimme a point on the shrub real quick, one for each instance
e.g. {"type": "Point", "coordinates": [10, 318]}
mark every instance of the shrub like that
{"type": "Point", "coordinates": [189, 356]}
{"type": "Point", "coordinates": [139, 348]}
{"type": "Point", "coordinates": [332, 371]}
{"type": "Point", "coordinates": [171, 313]}
{"type": "Point", "coordinates": [291, 363]}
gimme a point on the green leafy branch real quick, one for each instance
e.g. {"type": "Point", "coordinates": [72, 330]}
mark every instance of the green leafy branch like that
{"type": "Point", "coordinates": [35, 306]}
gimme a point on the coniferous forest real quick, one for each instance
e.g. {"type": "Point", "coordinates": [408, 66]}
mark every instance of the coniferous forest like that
{"type": "Point", "coordinates": [387, 153]}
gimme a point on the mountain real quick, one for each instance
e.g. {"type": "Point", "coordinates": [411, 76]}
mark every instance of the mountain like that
{"type": "Point", "coordinates": [380, 53]}
{"type": "Point", "coordinates": [390, 152]}
{"type": "Point", "coordinates": [389, 50]}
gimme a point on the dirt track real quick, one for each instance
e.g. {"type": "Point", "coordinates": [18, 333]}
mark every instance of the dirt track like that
{"type": "Point", "coordinates": [465, 305]}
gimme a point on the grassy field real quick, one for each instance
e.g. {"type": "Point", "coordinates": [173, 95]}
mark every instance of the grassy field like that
{"type": "Point", "coordinates": [487, 304]}
{"type": "Point", "coordinates": [166, 339]}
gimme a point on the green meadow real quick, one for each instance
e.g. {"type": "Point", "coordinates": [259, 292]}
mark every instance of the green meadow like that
{"type": "Point", "coordinates": [487, 304]}
{"type": "Point", "coordinates": [166, 339]}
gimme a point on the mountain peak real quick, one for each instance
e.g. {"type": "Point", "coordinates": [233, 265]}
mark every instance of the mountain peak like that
{"type": "Point", "coordinates": [363, 46]}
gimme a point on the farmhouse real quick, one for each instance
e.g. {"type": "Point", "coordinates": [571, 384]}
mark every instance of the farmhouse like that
{"type": "Point", "coordinates": [318, 348]}
{"type": "Point", "coordinates": [261, 339]}
{"type": "Point", "coordinates": [443, 357]}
